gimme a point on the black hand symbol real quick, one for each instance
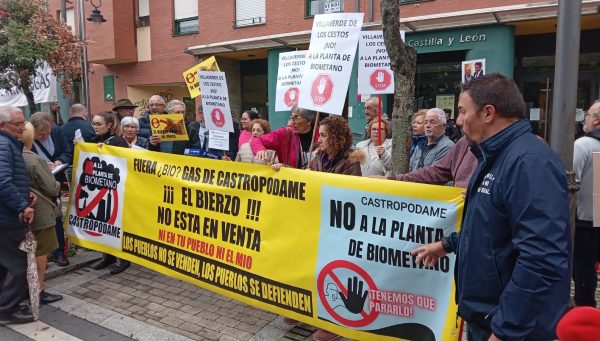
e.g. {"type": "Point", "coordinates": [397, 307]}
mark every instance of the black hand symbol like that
{"type": "Point", "coordinates": [356, 298]}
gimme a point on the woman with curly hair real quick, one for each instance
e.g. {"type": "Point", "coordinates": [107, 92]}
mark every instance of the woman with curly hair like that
{"type": "Point", "coordinates": [335, 154]}
{"type": "Point", "coordinates": [259, 128]}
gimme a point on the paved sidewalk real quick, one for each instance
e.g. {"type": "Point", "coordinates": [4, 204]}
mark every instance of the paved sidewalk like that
{"type": "Point", "coordinates": [139, 298]}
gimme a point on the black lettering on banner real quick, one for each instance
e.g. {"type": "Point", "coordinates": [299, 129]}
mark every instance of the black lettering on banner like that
{"type": "Point", "coordinates": [220, 274]}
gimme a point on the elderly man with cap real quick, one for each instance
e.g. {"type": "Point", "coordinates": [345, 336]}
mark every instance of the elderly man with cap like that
{"type": "Point", "coordinates": [124, 108]}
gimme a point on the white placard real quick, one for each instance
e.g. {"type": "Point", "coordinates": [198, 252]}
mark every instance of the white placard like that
{"type": "Point", "coordinates": [534, 114]}
{"type": "Point", "coordinates": [375, 75]}
{"type": "Point", "coordinates": [218, 139]}
{"type": "Point", "coordinates": [43, 86]}
{"type": "Point", "coordinates": [329, 61]}
{"type": "Point", "coordinates": [579, 115]}
{"type": "Point", "coordinates": [289, 76]}
{"type": "Point", "coordinates": [215, 100]}
{"type": "Point", "coordinates": [472, 69]}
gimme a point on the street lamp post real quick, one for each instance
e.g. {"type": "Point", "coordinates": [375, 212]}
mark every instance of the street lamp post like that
{"type": "Point", "coordinates": [85, 83]}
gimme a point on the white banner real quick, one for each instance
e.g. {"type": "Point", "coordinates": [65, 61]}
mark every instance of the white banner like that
{"type": "Point", "coordinates": [329, 61]}
{"type": "Point", "coordinates": [218, 139]}
{"type": "Point", "coordinates": [215, 100]}
{"type": "Point", "coordinates": [43, 86]}
{"type": "Point", "coordinates": [375, 75]}
{"type": "Point", "coordinates": [289, 76]}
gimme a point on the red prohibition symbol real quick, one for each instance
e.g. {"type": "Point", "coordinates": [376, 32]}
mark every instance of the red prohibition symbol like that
{"type": "Point", "coordinates": [328, 271]}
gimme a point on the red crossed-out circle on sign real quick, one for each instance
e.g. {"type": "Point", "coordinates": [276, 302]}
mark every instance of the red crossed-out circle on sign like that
{"type": "Point", "coordinates": [290, 98]}
{"type": "Point", "coordinates": [217, 117]}
{"type": "Point", "coordinates": [321, 89]}
{"type": "Point", "coordinates": [85, 211]}
{"type": "Point", "coordinates": [328, 271]}
{"type": "Point", "coordinates": [380, 79]}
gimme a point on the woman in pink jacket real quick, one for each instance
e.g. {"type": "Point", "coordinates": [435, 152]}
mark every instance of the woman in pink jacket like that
{"type": "Point", "coordinates": [290, 143]}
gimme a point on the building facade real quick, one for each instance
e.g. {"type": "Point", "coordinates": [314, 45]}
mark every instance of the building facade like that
{"type": "Point", "coordinates": [145, 46]}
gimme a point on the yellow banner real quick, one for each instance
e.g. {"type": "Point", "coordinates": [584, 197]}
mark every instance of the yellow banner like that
{"type": "Point", "coordinates": [191, 75]}
{"type": "Point", "coordinates": [169, 127]}
{"type": "Point", "coordinates": [329, 250]}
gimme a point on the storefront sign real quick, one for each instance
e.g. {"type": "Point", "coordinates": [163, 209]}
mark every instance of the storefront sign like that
{"type": "Point", "coordinates": [447, 41]}
{"type": "Point", "coordinates": [329, 61]}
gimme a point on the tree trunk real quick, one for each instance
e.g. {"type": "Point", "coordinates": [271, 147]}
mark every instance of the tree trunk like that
{"type": "Point", "coordinates": [25, 82]}
{"type": "Point", "coordinates": [403, 61]}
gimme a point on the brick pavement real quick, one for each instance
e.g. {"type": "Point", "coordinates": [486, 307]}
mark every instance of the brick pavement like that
{"type": "Point", "coordinates": [177, 306]}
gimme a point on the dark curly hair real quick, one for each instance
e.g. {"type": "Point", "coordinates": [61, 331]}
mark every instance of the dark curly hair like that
{"type": "Point", "coordinates": [340, 136]}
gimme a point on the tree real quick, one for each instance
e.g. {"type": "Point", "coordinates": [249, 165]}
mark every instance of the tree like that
{"type": "Point", "coordinates": [403, 61]}
{"type": "Point", "coordinates": [28, 38]}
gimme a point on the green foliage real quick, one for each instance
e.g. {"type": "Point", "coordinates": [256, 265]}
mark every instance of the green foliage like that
{"type": "Point", "coordinates": [28, 37]}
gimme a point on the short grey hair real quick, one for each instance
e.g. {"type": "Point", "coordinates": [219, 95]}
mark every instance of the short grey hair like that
{"type": "Point", "coordinates": [173, 103]}
{"type": "Point", "coordinates": [78, 110]}
{"type": "Point", "coordinates": [158, 97]}
{"type": "Point", "coordinates": [310, 115]}
{"type": "Point", "coordinates": [441, 114]}
{"type": "Point", "coordinates": [40, 120]}
{"type": "Point", "coordinates": [130, 120]}
{"type": "Point", "coordinates": [373, 99]}
{"type": "Point", "coordinates": [6, 111]}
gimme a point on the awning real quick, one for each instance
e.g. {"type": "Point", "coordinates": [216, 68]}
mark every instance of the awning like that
{"type": "Point", "coordinates": [482, 16]}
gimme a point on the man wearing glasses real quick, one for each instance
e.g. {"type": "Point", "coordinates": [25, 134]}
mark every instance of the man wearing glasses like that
{"type": "Point", "coordinates": [587, 236]}
{"type": "Point", "coordinates": [15, 213]}
{"type": "Point", "coordinates": [156, 105]}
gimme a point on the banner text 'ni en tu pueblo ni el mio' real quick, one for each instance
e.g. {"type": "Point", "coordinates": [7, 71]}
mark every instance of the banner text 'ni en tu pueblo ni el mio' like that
{"type": "Point", "coordinates": [330, 250]}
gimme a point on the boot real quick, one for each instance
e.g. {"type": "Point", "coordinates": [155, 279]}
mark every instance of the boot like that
{"type": "Point", "coordinates": [104, 262]}
{"type": "Point", "coordinates": [120, 267]}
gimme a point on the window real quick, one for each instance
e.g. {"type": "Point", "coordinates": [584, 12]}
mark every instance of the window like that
{"type": "Point", "coordinates": [143, 13]}
{"type": "Point", "coordinates": [249, 12]}
{"type": "Point", "coordinates": [186, 17]}
{"type": "Point", "coordinates": [314, 7]}
{"type": "Point", "coordinates": [109, 88]}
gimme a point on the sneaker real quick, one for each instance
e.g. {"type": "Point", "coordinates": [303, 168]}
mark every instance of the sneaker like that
{"type": "Point", "coordinates": [120, 267]}
{"type": "Point", "coordinates": [61, 260]}
{"type": "Point", "coordinates": [46, 298]}
{"type": "Point", "coordinates": [22, 315]}
{"type": "Point", "coordinates": [290, 321]}
{"type": "Point", "coordinates": [323, 335]}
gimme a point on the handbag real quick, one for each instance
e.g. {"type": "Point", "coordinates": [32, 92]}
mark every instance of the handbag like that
{"type": "Point", "coordinates": [54, 202]}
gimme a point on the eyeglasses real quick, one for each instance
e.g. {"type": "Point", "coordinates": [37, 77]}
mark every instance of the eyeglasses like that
{"type": "Point", "coordinates": [297, 117]}
{"type": "Point", "coordinates": [591, 114]}
{"type": "Point", "coordinates": [156, 105]}
{"type": "Point", "coordinates": [17, 124]}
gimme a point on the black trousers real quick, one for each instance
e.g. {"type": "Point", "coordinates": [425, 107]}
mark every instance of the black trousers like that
{"type": "Point", "coordinates": [585, 254]}
{"type": "Point", "coordinates": [13, 270]}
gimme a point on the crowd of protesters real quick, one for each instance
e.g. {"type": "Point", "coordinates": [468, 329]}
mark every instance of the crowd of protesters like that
{"type": "Point", "coordinates": [513, 267]}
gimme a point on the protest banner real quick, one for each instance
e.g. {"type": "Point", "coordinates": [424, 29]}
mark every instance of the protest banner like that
{"type": "Point", "coordinates": [329, 62]}
{"type": "Point", "coordinates": [169, 127]}
{"type": "Point", "coordinates": [329, 250]}
{"type": "Point", "coordinates": [43, 86]}
{"type": "Point", "coordinates": [289, 76]}
{"type": "Point", "coordinates": [191, 75]}
{"type": "Point", "coordinates": [215, 101]}
{"type": "Point", "coordinates": [375, 75]}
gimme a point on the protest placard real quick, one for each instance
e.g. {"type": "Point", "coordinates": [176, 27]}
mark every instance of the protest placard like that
{"type": "Point", "coordinates": [191, 75]}
{"type": "Point", "coordinates": [215, 100]}
{"type": "Point", "coordinates": [289, 76]}
{"type": "Point", "coordinates": [329, 61]}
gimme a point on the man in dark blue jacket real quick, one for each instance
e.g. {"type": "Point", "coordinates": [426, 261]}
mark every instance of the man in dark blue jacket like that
{"type": "Point", "coordinates": [513, 250]}
{"type": "Point", "coordinates": [14, 211]}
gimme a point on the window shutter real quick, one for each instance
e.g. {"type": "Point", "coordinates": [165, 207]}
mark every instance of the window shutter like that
{"type": "Point", "coordinates": [186, 9]}
{"type": "Point", "coordinates": [249, 12]}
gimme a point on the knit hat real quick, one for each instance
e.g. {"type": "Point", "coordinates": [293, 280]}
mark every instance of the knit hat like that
{"type": "Point", "coordinates": [579, 324]}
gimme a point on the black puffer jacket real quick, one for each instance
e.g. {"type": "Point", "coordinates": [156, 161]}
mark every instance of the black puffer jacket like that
{"type": "Point", "coordinates": [14, 182]}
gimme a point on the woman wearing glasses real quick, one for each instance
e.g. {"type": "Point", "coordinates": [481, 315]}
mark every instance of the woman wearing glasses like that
{"type": "Point", "coordinates": [290, 143]}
